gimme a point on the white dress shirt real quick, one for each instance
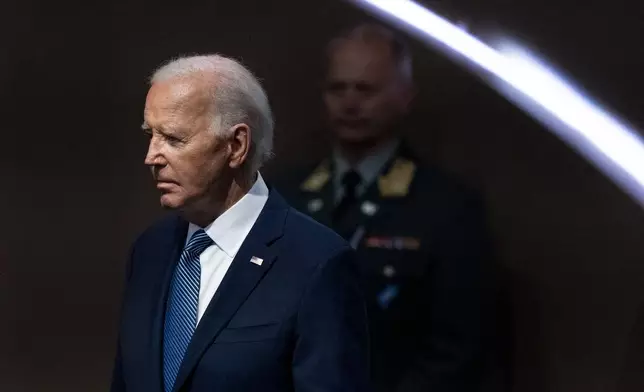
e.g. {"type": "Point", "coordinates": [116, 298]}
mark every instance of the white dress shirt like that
{"type": "Point", "coordinates": [228, 232]}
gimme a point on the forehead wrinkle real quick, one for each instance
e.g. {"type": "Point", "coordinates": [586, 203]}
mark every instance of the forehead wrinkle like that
{"type": "Point", "coordinates": [367, 55]}
{"type": "Point", "coordinates": [182, 99]}
{"type": "Point", "coordinates": [197, 98]}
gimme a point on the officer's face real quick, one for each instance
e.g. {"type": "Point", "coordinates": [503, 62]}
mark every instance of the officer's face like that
{"type": "Point", "coordinates": [364, 93]}
{"type": "Point", "coordinates": [187, 159]}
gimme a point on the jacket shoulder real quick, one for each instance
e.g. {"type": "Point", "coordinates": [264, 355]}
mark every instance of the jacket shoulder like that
{"type": "Point", "coordinates": [431, 181]}
{"type": "Point", "coordinates": [438, 197]}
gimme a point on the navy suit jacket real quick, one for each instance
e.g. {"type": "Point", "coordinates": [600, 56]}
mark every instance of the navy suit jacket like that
{"type": "Point", "coordinates": [295, 323]}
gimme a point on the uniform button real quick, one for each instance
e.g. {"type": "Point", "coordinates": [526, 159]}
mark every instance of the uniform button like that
{"type": "Point", "coordinates": [369, 208]}
{"type": "Point", "coordinates": [389, 271]}
{"type": "Point", "coordinates": [315, 205]}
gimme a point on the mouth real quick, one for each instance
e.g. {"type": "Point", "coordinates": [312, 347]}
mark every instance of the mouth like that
{"type": "Point", "coordinates": [164, 185]}
{"type": "Point", "coordinates": [353, 123]}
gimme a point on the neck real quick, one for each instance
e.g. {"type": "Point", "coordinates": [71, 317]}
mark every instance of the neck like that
{"type": "Point", "coordinates": [211, 208]}
{"type": "Point", "coordinates": [354, 153]}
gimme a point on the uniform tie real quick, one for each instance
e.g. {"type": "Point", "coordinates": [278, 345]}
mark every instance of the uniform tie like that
{"type": "Point", "coordinates": [350, 181]}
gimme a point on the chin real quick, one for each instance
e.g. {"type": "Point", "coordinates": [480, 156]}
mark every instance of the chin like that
{"type": "Point", "coordinates": [358, 138]}
{"type": "Point", "coordinates": [171, 202]}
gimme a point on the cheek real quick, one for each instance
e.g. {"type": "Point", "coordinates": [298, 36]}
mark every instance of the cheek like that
{"type": "Point", "coordinates": [374, 107]}
{"type": "Point", "coordinates": [333, 103]}
{"type": "Point", "coordinates": [197, 167]}
{"type": "Point", "coordinates": [188, 171]}
{"type": "Point", "coordinates": [208, 169]}
{"type": "Point", "coordinates": [383, 108]}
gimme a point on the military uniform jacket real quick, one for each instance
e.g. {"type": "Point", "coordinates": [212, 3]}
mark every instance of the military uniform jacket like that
{"type": "Point", "coordinates": [422, 246]}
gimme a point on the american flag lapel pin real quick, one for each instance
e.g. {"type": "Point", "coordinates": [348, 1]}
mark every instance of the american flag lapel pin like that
{"type": "Point", "coordinates": [256, 260]}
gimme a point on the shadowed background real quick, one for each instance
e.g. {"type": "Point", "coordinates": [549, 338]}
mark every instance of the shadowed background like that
{"type": "Point", "coordinates": [76, 193]}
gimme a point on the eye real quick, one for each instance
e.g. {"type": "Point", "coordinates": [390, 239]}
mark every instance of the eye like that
{"type": "Point", "coordinates": [172, 140]}
{"type": "Point", "coordinates": [366, 88]}
{"type": "Point", "coordinates": [336, 87]}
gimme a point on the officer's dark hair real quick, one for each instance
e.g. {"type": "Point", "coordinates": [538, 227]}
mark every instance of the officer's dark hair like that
{"type": "Point", "coordinates": [374, 33]}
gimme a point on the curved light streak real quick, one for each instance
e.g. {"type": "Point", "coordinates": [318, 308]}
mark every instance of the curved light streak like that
{"type": "Point", "coordinates": [612, 146]}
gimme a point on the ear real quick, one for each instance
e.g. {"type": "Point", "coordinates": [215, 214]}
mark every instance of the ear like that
{"type": "Point", "coordinates": [404, 95]}
{"type": "Point", "coordinates": [409, 93]}
{"type": "Point", "coordinates": [239, 144]}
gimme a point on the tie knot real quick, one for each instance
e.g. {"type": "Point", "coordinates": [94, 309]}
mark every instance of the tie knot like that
{"type": "Point", "coordinates": [198, 242]}
{"type": "Point", "coordinates": [350, 180]}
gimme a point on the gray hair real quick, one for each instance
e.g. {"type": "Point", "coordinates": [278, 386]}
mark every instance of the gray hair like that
{"type": "Point", "coordinates": [237, 95]}
{"type": "Point", "coordinates": [369, 33]}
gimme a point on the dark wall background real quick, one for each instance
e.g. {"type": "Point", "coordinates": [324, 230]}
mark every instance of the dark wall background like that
{"type": "Point", "coordinates": [75, 192]}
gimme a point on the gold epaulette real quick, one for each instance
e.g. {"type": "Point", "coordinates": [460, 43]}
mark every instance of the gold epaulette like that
{"type": "Point", "coordinates": [316, 180]}
{"type": "Point", "coordinates": [398, 179]}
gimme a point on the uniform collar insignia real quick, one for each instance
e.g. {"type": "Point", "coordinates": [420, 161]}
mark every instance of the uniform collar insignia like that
{"type": "Point", "coordinates": [318, 178]}
{"type": "Point", "coordinates": [396, 182]}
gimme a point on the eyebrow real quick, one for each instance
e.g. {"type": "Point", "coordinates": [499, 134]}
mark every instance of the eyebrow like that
{"type": "Point", "coordinates": [146, 127]}
{"type": "Point", "coordinates": [164, 131]}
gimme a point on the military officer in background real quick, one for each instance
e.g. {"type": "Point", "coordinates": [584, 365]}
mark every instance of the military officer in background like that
{"type": "Point", "coordinates": [419, 234]}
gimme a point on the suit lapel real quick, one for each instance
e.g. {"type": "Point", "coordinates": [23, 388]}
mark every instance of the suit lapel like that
{"type": "Point", "coordinates": [170, 249]}
{"type": "Point", "coordinates": [240, 280]}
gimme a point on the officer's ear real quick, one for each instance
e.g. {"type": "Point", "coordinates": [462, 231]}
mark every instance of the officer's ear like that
{"type": "Point", "coordinates": [406, 95]}
{"type": "Point", "coordinates": [410, 94]}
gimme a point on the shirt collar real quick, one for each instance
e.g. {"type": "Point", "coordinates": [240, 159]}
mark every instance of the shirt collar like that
{"type": "Point", "coordinates": [230, 229]}
{"type": "Point", "coordinates": [368, 168]}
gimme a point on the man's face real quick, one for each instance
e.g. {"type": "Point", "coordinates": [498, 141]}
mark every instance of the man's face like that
{"type": "Point", "coordinates": [364, 93]}
{"type": "Point", "coordinates": [186, 157]}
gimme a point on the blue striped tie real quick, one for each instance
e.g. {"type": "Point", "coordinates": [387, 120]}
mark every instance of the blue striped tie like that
{"type": "Point", "coordinates": [182, 307]}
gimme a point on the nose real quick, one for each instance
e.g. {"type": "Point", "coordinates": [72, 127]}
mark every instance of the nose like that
{"type": "Point", "coordinates": [351, 101]}
{"type": "Point", "coordinates": [154, 157]}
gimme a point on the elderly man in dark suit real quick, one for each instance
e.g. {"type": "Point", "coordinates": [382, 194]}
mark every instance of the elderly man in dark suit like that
{"type": "Point", "coordinates": [419, 233]}
{"type": "Point", "coordinates": [234, 290]}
